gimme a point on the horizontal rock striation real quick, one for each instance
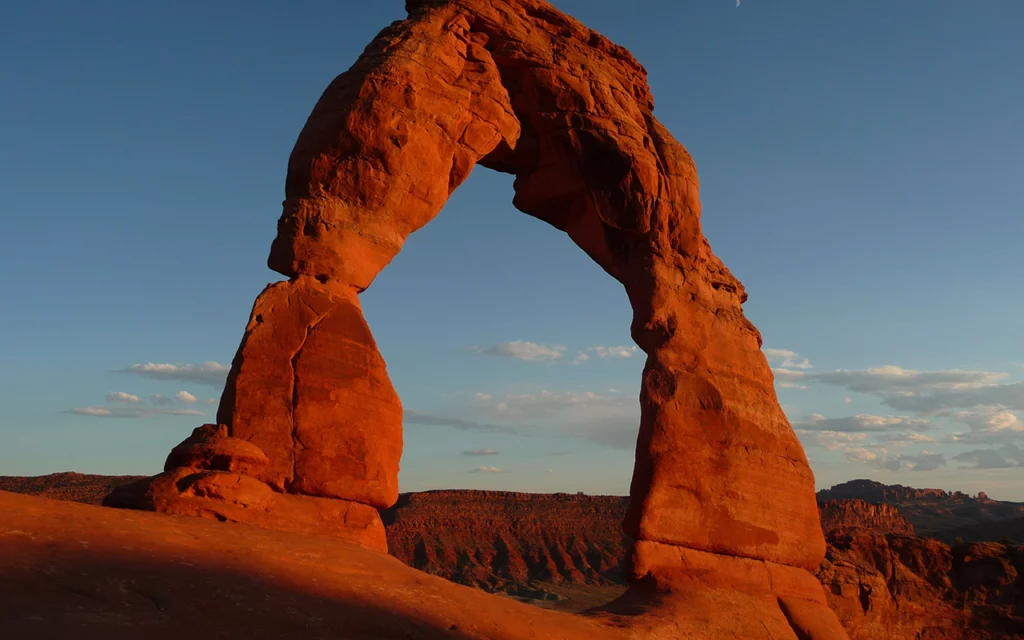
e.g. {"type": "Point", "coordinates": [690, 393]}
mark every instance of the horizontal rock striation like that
{"type": "Point", "coordinates": [499, 540]}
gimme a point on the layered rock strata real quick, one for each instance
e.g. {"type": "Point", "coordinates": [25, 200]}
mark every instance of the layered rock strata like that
{"type": "Point", "coordinates": [837, 515]}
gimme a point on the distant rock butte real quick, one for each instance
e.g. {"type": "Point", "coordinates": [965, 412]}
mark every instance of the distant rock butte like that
{"type": "Point", "coordinates": [517, 87]}
{"type": "Point", "coordinates": [501, 540]}
{"type": "Point", "coordinates": [933, 512]}
{"type": "Point", "coordinates": [876, 492]}
{"type": "Point", "coordinates": [880, 518]}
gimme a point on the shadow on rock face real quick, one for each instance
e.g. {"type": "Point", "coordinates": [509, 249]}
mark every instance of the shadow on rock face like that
{"type": "Point", "coordinates": [79, 595]}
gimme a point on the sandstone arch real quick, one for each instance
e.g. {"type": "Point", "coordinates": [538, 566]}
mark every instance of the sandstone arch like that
{"type": "Point", "coordinates": [722, 497]}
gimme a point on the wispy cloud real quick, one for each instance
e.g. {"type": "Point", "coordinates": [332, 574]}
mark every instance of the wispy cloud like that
{"type": "Point", "coordinates": [128, 405]}
{"type": "Point", "coordinates": [207, 373]}
{"type": "Point", "coordinates": [880, 458]}
{"type": "Point", "coordinates": [429, 419]}
{"type": "Point", "coordinates": [132, 412]}
{"type": "Point", "coordinates": [607, 419]}
{"type": "Point", "coordinates": [480, 452]}
{"type": "Point", "coordinates": [606, 352]}
{"type": "Point", "coordinates": [786, 359]}
{"type": "Point", "coordinates": [121, 396]}
{"type": "Point", "coordinates": [486, 469]}
{"type": "Point", "coordinates": [831, 440]}
{"type": "Point", "coordinates": [159, 399]}
{"type": "Point", "coordinates": [527, 351]}
{"type": "Point", "coordinates": [988, 425]}
{"type": "Point", "coordinates": [924, 392]}
{"type": "Point", "coordinates": [1005, 457]}
{"type": "Point", "coordinates": [860, 423]}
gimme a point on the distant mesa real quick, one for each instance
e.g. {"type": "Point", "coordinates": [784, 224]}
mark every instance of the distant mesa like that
{"type": "Point", "coordinates": [837, 515]}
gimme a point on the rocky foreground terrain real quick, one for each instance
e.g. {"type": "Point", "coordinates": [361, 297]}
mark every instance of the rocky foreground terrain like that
{"type": "Point", "coordinates": [565, 551]}
{"type": "Point", "coordinates": [90, 573]}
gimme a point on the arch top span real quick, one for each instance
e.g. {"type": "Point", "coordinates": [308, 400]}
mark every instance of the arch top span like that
{"type": "Point", "coordinates": [721, 486]}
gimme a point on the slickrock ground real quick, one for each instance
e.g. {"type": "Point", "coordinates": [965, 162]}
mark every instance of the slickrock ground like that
{"type": "Point", "coordinates": [79, 571]}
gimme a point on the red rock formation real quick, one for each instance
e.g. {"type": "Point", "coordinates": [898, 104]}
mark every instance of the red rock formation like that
{"type": "Point", "coordinates": [910, 588]}
{"type": "Point", "coordinates": [837, 515]}
{"type": "Point", "coordinates": [881, 585]}
{"type": "Point", "coordinates": [502, 540]}
{"type": "Point", "coordinates": [877, 493]}
{"type": "Point", "coordinates": [518, 87]}
{"type": "Point", "coordinates": [933, 512]}
{"type": "Point", "coordinates": [999, 531]}
{"type": "Point", "coordinates": [212, 475]}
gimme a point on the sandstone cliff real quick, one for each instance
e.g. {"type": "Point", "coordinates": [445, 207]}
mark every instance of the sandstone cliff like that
{"type": "Point", "coordinates": [499, 540]}
{"type": "Point", "coordinates": [909, 588]}
{"type": "Point", "coordinates": [931, 511]}
{"type": "Point", "coordinates": [880, 518]}
{"type": "Point", "coordinates": [880, 583]}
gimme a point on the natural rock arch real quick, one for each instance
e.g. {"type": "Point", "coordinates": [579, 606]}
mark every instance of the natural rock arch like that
{"type": "Point", "coordinates": [722, 497]}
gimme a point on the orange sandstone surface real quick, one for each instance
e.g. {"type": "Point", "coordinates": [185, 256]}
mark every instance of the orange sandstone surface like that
{"type": "Point", "coordinates": [70, 570]}
{"type": "Point", "coordinates": [78, 571]}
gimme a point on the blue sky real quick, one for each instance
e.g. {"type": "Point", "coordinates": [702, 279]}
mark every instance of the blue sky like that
{"type": "Point", "coordinates": [860, 166]}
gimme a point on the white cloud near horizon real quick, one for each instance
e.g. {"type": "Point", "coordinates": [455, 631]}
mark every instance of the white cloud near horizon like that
{"type": "Point", "coordinates": [988, 425]}
{"type": "Point", "coordinates": [537, 352]}
{"type": "Point", "coordinates": [786, 359]}
{"type": "Point", "coordinates": [159, 399]}
{"type": "Point", "coordinates": [480, 452]}
{"type": "Point", "coordinates": [606, 419]}
{"type": "Point", "coordinates": [922, 392]}
{"type": "Point", "coordinates": [132, 412]}
{"type": "Point", "coordinates": [880, 458]}
{"type": "Point", "coordinates": [526, 351]}
{"type": "Point", "coordinates": [423, 418]}
{"type": "Point", "coordinates": [606, 352]}
{"type": "Point", "coordinates": [831, 440]}
{"type": "Point", "coordinates": [1006, 457]}
{"type": "Point", "coordinates": [860, 423]}
{"type": "Point", "coordinates": [129, 405]}
{"type": "Point", "coordinates": [206, 373]}
{"type": "Point", "coordinates": [121, 396]}
{"type": "Point", "coordinates": [486, 469]}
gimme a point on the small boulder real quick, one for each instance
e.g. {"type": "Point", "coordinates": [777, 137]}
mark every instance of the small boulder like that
{"type": "Point", "coordinates": [210, 448]}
